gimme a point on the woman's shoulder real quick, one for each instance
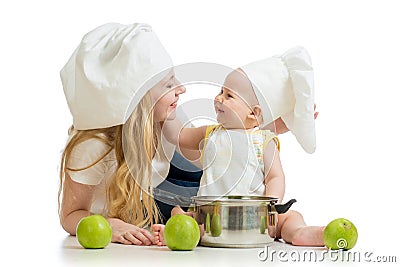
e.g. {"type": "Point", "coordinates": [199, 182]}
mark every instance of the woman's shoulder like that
{"type": "Point", "coordinates": [88, 151]}
{"type": "Point", "coordinates": [90, 161]}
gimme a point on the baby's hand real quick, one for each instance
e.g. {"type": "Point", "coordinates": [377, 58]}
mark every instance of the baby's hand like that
{"type": "Point", "coordinates": [179, 210]}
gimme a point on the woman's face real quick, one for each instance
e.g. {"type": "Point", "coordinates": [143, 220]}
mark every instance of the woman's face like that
{"type": "Point", "coordinates": [165, 95]}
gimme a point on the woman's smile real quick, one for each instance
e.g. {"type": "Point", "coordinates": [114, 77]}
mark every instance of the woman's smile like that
{"type": "Point", "coordinates": [175, 103]}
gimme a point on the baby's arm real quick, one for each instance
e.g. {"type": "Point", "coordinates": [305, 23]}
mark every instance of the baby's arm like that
{"type": "Point", "coordinates": [186, 138]}
{"type": "Point", "coordinates": [191, 138]}
{"type": "Point", "coordinates": [274, 176]}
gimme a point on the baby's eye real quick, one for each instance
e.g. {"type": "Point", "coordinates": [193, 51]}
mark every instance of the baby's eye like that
{"type": "Point", "coordinates": [169, 86]}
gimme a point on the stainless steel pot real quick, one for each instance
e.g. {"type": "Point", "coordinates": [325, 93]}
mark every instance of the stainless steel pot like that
{"type": "Point", "coordinates": [238, 221]}
{"type": "Point", "coordinates": [231, 221]}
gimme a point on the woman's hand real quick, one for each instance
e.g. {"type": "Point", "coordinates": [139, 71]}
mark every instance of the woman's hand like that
{"type": "Point", "coordinates": [128, 234]}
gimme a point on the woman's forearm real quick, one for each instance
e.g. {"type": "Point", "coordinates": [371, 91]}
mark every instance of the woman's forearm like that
{"type": "Point", "coordinates": [278, 126]}
{"type": "Point", "coordinates": [69, 222]}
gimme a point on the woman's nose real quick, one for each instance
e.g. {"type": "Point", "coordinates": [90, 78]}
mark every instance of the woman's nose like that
{"type": "Point", "coordinates": [180, 90]}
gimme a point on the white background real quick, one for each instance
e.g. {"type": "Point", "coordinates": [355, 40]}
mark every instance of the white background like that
{"type": "Point", "coordinates": [354, 46]}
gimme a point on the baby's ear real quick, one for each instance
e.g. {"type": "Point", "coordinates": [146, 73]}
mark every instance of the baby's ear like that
{"type": "Point", "coordinates": [255, 113]}
{"type": "Point", "coordinates": [256, 110]}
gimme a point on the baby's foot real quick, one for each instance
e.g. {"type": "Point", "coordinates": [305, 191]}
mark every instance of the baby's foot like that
{"type": "Point", "coordinates": [309, 236]}
{"type": "Point", "coordinates": [158, 231]}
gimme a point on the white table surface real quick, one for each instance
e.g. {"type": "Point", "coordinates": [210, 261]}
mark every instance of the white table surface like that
{"type": "Point", "coordinates": [32, 240]}
{"type": "Point", "coordinates": [70, 253]}
{"type": "Point", "coordinates": [73, 254]}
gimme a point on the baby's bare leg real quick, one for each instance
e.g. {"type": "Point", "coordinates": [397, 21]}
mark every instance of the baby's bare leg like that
{"type": "Point", "coordinates": [292, 229]}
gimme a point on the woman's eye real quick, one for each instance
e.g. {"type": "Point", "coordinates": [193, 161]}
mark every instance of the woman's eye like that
{"type": "Point", "coordinates": [229, 95]}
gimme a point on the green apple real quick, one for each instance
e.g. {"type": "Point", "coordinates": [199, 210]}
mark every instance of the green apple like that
{"type": "Point", "coordinates": [94, 231]}
{"type": "Point", "coordinates": [181, 232]}
{"type": "Point", "coordinates": [340, 234]}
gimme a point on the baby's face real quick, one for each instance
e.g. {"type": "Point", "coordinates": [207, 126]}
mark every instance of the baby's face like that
{"type": "Point", "coordinates": [234, 103]}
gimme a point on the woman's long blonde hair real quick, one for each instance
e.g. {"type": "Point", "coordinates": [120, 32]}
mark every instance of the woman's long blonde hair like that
{"type": "Point", "coordinates": [129, 196]}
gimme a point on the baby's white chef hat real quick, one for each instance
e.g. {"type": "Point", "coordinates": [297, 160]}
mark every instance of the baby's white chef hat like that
{"type": "Point", "coordinates": [284, 87]}
{"type": "Point", "coordinates": [110, 71]}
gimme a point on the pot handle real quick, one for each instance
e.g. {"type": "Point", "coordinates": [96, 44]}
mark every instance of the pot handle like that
{"type": "Point", "coordinates": [171, 198]}
{"type": "Point", "coordinates": [282, 208]}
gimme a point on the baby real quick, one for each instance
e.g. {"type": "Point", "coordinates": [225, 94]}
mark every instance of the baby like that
{"type": "Point", "coordinates": [239, 157]}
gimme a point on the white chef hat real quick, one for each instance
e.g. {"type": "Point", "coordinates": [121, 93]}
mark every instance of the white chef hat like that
{"type": "Point", "coordinates": [106, 73]}
{"type": "Point", "coordinates": [284, 87]}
